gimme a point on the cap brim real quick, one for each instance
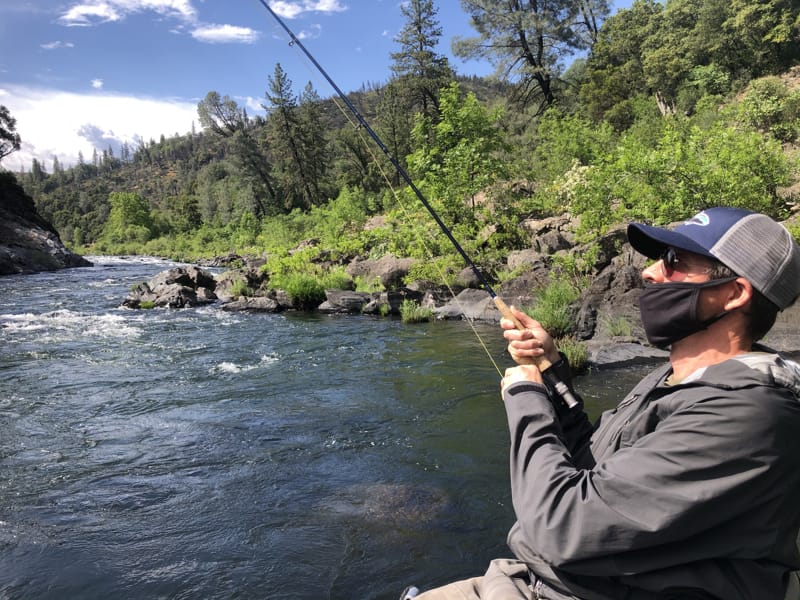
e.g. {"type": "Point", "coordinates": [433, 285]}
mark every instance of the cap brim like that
{"type": "Point", "coordinates": [651, 241]}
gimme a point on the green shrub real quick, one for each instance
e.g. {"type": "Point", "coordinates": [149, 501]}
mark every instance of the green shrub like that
{"type": "Point", "coordinates": [575, 351]}
{"type": "Point", "coordinates": [240, 288]}
{"type": "Point", "coordinates": [367, 285]}
{"type": "Point", "coordinates": [411, 312]}
{"type": "Point", "coordinates": [794, 229]}
{"type": "Point", "coordinates": [688, 170]}
{"type": "Point", "coordinates": [305, 291]}
{"type": "Point", "coordinates": [440, 269]}
{"type": "Point", "coordinates": [553, 308]}
{"type": "Point", "coordinates": [280, 265]}
{"type": "Point", "coordinates": [147, 304]}
{"type": "Point", "coordinates": [618, 327]}
{"type": "Point", "coordinates": [509, 274]}
{"type": "Point", "coordinates": [770, 106]}
{"type": "Point", "coordinates": [337, 279]}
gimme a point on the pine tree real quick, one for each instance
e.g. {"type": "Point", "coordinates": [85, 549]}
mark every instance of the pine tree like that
{"type": "Point", "coordinates": [529, 40]}
{"type": "Point", "coordinates": [286, 143]}
{"type": "Point", "coordinates": [420, 70]}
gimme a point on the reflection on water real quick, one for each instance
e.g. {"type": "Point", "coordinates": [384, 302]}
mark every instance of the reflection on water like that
{"type": "Point", "coordinates": [203, 454]}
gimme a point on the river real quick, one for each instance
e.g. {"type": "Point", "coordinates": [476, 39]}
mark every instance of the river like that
{"type": "Point", "coordinates": [203, 454]}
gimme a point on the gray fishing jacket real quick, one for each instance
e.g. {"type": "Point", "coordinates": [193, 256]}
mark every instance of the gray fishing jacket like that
{"type": "Point", "coordinates": [689, 490]}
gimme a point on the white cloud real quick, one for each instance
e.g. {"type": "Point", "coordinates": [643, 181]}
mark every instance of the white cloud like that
{"type": "Point", "coordinates": [97, 84]}
{"type": "Point", "coordinates": [290, 9]}
{"type": "Point", "coordinates": [56, 45]}
{"type": "Point", "coordinates": [311, 33]}
{"type": "Point", "coordinates": [254, 104]}
{"type": "Point", "coordinates": [215, 34]}
{"type": "Point", "coordinates": [326, 6]}
{"type": "Point", "coordinates": [92, 12]}
{"type": "Point", "coordinates": [97, 12]}
{"type": "Point", "coordinates": [56, 123]}
{"type": "Point", "coordinates": [87, 14]}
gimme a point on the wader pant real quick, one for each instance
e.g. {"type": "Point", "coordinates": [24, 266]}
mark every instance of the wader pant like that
{"type": "Point", "coordinates": [508, 579]}
{"type": "Point", "coordinates": [505, 579]}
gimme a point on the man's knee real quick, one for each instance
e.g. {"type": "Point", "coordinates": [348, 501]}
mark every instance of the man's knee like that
{"type": "Point", "coordinates": [467, 589]}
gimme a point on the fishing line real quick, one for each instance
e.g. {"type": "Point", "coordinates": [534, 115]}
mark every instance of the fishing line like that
{"type": "Point", "coordinates": [348, 116]}
{"type": "Point", "coordinates": [420, 237]}
{"type": "Point", "coordinates": [543, 364]}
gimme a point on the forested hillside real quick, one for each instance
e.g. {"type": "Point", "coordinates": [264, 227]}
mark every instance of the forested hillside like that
{"type": "Point", "coordinates": [675, 107]}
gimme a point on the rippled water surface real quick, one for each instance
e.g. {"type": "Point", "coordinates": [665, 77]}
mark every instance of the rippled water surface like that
{"type": "Point", "coordinates": [202, 454]}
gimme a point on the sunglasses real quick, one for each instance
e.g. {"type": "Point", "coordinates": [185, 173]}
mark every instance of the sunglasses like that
{"type": "Point", "coordinates": [670, 263]}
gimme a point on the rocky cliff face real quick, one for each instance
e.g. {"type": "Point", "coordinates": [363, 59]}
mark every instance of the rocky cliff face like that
{"type": "Point", "coordinates": [28, 243]}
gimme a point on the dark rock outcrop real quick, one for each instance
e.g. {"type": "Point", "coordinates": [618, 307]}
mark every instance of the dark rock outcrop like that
{"type": "Point", "coordinates": [176, 288]}
{"type": "Point", "coordinates": [344, 301]}
{"type": "Point", "coordinates": [389, 269]}
{"type": "Point", "coordinates": [28, 243]}
{"type": "Point", "coordinates": [262, 304]}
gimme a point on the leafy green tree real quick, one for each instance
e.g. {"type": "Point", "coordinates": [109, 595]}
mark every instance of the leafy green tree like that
{"type": "Point", "coordinates": [220, 114]}
{"type": "Point", "coordinates": [9, 138]}
{"type": "Point", "coordinates": [354, 163]}
{"type": "Point", "coordinates": [183, 213]}
{"type": "Point", "coordinates": [225, 119]}
{"type": "Point", "coordinates": [528, 40]}
{"type": "Point", "coordinates": [769, 105]}
{"type": "Point", "coordinates": [591, 17]}
{"type": "Point", "coordinates": [614, 72]}
{"type": "Point", "coordinates": [394, 121]}
{"type": "Point", "coordinates": [129, 219]}
{"type": "Point", "coordinates": [768, 33]}
{"type": "Point", "coordinates": [458, 157]}
{"type": "Point", "coordinates": [563, 140]}
{"type": "Point", "coordinates": [687, 33]}
{"type": "Point", "coordinates": [686, 170]}
{"type": "Point", "coordinates": [682, 50]}
{"type": "Point", "coordinates": [38, 173]}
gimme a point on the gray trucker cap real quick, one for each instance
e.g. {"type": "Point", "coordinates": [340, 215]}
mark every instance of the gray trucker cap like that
{"type": "Point", "coordinates": [752, 245]}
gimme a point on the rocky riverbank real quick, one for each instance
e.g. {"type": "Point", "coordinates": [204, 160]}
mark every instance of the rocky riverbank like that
{"type": "Point", "coordinates": [606, 314]}
{"type": "Point", "coordinates": [28, 243]}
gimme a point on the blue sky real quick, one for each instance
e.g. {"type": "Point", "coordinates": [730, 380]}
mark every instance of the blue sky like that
{"type": "Point", "coordinates": [80, 75]}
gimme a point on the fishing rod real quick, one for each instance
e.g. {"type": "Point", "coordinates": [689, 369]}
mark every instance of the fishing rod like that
{"type": "Point", "coordinates": [541, 362]}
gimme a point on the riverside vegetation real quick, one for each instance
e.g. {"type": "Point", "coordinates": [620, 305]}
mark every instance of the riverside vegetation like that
{"type": "Point", "coordinates": [676, 107]}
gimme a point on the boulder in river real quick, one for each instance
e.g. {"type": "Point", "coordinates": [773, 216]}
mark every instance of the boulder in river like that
{"type": "Point", "coordinates": [175, 288]}
{"type": "Point", "coordinates": [253, 304]}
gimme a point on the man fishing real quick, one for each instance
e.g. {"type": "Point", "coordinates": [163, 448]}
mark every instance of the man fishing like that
{"type": "Point", "coordinates": [690, 487]}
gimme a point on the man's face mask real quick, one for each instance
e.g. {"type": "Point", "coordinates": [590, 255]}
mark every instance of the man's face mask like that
{"type": "Point", "coordinates": [669, 310]}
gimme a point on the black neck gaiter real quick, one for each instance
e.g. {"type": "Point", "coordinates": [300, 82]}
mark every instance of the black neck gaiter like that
{"type": "Point", "coordinates": [669, 310]}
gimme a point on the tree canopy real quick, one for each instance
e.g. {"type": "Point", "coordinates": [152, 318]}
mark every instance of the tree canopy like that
{"type": "Point", "coordinates": [672, 106]}
{"type": "Point", "coordinates": [529, 41]}
{"type": "Point", "coordinates": [9, 138]}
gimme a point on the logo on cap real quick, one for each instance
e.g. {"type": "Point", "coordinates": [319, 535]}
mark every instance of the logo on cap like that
{"type": "Point", "coordinates": [700, 218]}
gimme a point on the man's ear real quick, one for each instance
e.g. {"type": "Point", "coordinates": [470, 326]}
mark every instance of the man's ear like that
{"type": "Point", "coordinates": [740, 295]}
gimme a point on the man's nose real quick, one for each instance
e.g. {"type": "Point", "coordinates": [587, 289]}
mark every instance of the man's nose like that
{"type": "Point", "coordinates": [654, 273]}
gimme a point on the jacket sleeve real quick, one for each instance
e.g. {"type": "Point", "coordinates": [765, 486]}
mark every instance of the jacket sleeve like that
{"type": "Point", "coordinates": [678, 494]}
{"type": "Point", "coordinates": [576, 430]}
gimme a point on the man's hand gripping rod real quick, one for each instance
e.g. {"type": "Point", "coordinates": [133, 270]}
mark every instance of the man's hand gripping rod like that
{"type": "Point", "coordinates": [542, 363]}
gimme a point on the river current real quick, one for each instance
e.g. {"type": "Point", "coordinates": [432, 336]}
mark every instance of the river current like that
{"type": "Point", "coordinates": [197, 453]}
